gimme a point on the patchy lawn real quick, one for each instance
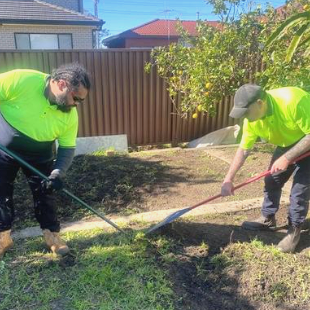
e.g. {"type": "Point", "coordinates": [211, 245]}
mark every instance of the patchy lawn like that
{"type": "Point", "coordinates": [202, 263]}
{"type": "Point", "coordinates": [199, 263]}
{"type": "Point", "coordinates": [217, 265]}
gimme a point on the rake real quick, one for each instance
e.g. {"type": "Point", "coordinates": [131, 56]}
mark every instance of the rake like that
{"type": "Point", "coordinates": [44, 177]}
{"type": "Point", "coordinates": [170, 218]}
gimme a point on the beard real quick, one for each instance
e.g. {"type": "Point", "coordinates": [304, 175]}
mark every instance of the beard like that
{"type": "Point", "coordinates": [65, 108]}
{"type": "Point", "coordinates": [61, 101]}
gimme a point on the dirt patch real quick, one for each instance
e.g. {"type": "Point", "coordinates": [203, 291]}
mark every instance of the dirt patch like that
{"type": "Point", "coordinates": [145, 181]}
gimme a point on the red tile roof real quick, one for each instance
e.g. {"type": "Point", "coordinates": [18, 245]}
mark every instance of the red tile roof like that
{"type": "Point", "coordinates": [163, 27]}
{"type": "Point", "coordinates": [159, 28]}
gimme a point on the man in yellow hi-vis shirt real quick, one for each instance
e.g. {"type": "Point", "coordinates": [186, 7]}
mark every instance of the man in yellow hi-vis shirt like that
{"type": "Point", "coordinates": [281, 117]}
{"type": "Point", "coordinates": [35, 110]}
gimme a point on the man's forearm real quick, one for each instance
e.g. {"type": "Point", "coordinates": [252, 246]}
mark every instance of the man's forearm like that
{"type": "Point", "coordinates": [63, 160]}
{"type": "Point", "coordinates": [236, 164]}
{"type": "Point", "coordinates": [300, 148]}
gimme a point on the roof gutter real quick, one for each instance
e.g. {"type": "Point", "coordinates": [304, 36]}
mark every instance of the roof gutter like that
{"type": "Point", "coordinates": [53, 22]}
{"type": "Point", "coordinates": [117, 37]}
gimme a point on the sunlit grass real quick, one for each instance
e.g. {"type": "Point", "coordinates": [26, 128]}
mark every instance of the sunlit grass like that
{"type": "Point", "coordinates": [108, 271]}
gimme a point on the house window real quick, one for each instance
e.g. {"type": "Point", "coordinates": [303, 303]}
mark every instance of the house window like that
{"type": "Point", "coordinates": [32, 41]}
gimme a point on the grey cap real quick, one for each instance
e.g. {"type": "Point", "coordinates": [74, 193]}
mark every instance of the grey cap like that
{"type": "Point", "coordinates": [245, 95]}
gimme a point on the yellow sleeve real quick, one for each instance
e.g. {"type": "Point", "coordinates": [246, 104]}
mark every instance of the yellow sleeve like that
{"type": "Point", "coordinates": [249, 137]}
{"type": "Point", "coordinates": [68, 137]}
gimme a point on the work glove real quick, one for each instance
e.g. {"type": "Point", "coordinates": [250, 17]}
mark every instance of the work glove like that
{"type": "Point", "coordinates": [54, 183]}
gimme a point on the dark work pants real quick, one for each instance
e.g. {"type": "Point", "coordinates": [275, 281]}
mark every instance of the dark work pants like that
{"type": "Point", "coordinates": [44, 204]}
{"type": "Point", "coordinates": [300, 191]}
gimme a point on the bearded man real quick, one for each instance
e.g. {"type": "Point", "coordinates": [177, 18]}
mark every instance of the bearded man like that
{"type": "Point", "coordinates": [36, 109]}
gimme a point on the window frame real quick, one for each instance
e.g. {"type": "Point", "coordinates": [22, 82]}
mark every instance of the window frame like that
{"type": "Point", "coordinates": [40, 33]}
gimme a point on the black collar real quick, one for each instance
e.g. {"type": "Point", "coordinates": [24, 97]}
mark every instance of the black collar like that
{"type": "Point", "coordinates": [47, 87]}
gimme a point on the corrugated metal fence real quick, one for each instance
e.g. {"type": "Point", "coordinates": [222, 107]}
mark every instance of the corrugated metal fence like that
{"type": "Point", "coordinates": [124, 99]}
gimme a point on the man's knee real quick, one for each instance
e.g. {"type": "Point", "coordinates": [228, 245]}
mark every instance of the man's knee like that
{"type": "Point", "coordinates": [273, 184]}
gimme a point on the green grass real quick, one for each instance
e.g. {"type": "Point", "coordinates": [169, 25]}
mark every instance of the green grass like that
{"type": "Point", "coordinates": [108, 271]}
{"type": "Point", "coordinates": [266, 274]}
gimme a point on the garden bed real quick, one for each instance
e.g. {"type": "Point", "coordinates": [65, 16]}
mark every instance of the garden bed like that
{"type": "Point", "coordinates": [146, 181]}
{"type": "Point", "coordinates": [202, 263]}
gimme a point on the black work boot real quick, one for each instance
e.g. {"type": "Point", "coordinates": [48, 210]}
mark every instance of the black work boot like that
{"type": "Point", "coordinates": [261, 223]}
{"type": "Point", "coordinates": [290, 241]}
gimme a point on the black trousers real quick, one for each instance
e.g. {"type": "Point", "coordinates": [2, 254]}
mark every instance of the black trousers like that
{"type": "Point", "coordinates": [300, 191]}
{"type": "Point", "coordinates": [44, 204]}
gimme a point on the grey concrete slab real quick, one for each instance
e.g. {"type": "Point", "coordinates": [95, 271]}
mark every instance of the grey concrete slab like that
{"type": "Point", "coordinates": [87, 145]}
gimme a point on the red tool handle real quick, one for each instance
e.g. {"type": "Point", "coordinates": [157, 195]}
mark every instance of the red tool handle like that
{"type": "Point", "coordinates": [253, 179]}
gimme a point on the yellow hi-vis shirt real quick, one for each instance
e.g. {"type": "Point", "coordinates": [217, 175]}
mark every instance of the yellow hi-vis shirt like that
{"type": "Point", "coordinates": [24, 106]}
{"type": "Point", "coordinates": [287, 120]}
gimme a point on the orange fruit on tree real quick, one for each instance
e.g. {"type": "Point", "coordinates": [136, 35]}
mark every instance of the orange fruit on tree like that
{"type": "Point", "coordinates": [195, 115]}
{"type": "Point", "coordinates": [208, 85]}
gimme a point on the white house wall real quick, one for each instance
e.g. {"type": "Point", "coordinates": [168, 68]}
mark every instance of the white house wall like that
{"type": "Point", "coordinates": [81, 35]}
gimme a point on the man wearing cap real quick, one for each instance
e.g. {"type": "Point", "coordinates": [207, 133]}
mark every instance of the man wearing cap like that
{"type": "Point", "coordinates": [35, 110]}
{"type": "Point", "coordinates": [280, 117]}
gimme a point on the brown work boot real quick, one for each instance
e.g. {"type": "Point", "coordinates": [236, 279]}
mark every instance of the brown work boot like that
{"type": "Point", "coordinates": [290, 241]}
{"type": "Point", "coordinates": [6, 241]}
{"type": "Point", "coordinates": [55, 243]}
{"type": "Point", "coordinates": [261, 223]}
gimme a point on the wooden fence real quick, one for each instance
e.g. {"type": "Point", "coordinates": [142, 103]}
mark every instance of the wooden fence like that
{"type": "Point", "coordinates": [124, 99]}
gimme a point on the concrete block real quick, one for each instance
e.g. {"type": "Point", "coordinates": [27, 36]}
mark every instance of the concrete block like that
{"type": "Point", "coordinates": [87, 145]}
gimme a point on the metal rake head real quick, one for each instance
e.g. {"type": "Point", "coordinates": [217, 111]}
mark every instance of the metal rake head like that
{"type": "Point", "coordinates": [170, 218]}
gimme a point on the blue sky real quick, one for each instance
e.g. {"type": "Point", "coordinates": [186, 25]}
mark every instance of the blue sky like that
{"type": "Point", "coordinates": [121, 15]}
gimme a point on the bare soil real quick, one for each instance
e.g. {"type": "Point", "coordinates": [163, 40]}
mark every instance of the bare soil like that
{"type": "Point", "coordinates": [146, 181]}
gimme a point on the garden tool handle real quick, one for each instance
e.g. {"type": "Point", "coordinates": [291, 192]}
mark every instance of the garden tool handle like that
{"type": "Point", "coordinates": [44, 177]}
{"type": "Point", "coordinates": [266, 173]}
{"type": "Point", "coordinates": [253, 179]}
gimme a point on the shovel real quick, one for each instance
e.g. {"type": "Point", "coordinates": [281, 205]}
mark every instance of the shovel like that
{"type": "Point", "coordinates": [44, 177]}
{"type": "Point", "coordinates": [170, 218]}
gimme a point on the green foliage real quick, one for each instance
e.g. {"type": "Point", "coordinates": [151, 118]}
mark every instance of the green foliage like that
{"type": "Point", "coordinates": [204, 69]}
{"type": "Point", "coordinates": [298, 26]}
{"type": "Point", "coordinates": [215, 64]}
{"type": "Point", "coordinates": [285, 65]}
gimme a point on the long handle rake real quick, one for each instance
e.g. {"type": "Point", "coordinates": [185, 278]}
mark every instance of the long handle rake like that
{"type": "Point", "coordinates": [170, 218]}
{"type": "Point", "coordinates": [77, 199]}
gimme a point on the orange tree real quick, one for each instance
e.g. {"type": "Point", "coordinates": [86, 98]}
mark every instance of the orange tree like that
{"type": "Point", "coordinates": [286, 62]}
{"type": "Point", "coordinates": [216, 62]}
